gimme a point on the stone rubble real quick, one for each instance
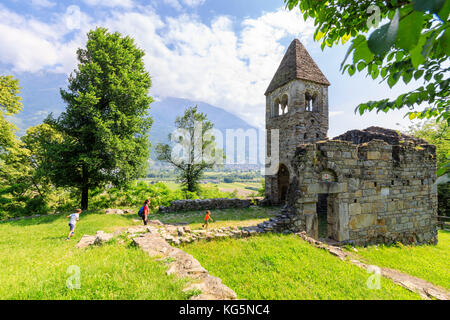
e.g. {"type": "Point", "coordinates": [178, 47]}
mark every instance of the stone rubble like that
{"type": "Point", "coordinates": [184, 265]}
{"type": "Point", "coordinates": [100, 238]}
{"type": "Point", "coordinates": [154, 239]}
{"type": "Point", "coordinates": [118, 211]}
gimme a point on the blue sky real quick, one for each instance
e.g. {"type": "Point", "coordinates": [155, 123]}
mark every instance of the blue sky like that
{"type": "Point", "coordinates": [220, 52]}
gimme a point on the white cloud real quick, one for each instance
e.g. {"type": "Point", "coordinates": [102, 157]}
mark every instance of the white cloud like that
{"type": "Point", "coordinates": [193, 3]}
{"type": "Point", "coordinates": [111, 3]}
{"type": "Point", "coordinates": [30, 45]}
{"type": "Point", "coordinates": [43, 3]}
{"type": "Point", "coordinates": [174, 4]}
{"type": "Point", "coordinates": [335, 113]}
{"type": "Point", "coordinates": [186, 58]}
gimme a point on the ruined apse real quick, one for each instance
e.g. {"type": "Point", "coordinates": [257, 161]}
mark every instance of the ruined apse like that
{"type": "Point", "coordinates": [365, 186]}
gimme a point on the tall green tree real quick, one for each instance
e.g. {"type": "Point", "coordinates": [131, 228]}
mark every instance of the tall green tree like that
{"type": "Point", "coordinates": [414, 43]}
{"type": "Point", "coordinates": [194, 150]}
{"type": "Point", "coordinates": [10, 104]}
{"type": "Point", "coordinates": [105, 126]}
{"type": "Point", "coordinates": [438, 134]}
{"type": "Point", "coordinates": [12, 152]}
{"type": "Point", "coordinates": [36, 140]}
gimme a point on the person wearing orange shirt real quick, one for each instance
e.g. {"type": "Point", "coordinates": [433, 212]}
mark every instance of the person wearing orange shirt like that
{"type": "Point", "coordinates": [207, 219]}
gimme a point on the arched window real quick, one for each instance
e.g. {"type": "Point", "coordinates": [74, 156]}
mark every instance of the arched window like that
{"type": "Point", "coordinates": [309, 101]}
{"type": "Point", "coordinates": [276, 108]}
{"type": "Point", "coordinates": [284, 104]}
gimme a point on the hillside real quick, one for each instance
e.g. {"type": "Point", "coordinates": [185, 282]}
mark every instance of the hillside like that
{"type": "Point", "coordinates": [42, 97]}
{"type": "Point", "coordinates": [164, 113]}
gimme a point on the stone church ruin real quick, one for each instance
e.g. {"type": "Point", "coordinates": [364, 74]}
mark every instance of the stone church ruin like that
{"type": "Point", "coordinates": [364, 186]}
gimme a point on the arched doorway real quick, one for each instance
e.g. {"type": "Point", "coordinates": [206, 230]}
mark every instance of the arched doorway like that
{"type": "Point", "coordinates": [283, 183]}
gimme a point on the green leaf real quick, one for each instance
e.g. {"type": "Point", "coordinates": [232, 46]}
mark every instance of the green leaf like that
{"type": "Point", "coordinates": [399, 56]}
{"type": "Point", "coordinates": [362, 51]}
{"type": "Point", "coordinates": [416, 54]}
{"type": "Point", "coordinates": [433, 6]}
{"type": "Point", "coordinates": [351, 70]}
{"type": "Point", "coordinates": [445, 11]}
{"type": "Point", "coordinates": [361, 65]}
{"type": "Point", "coordinates": [418, 74]}
{"type": "Point", "coordinates": [409, 30]}
{"type": "Point", "coordinates": [407, 76]}
{"type": "Point", "coordinates": [444, 42]}
{"type": "Point", "coordinates": [375, 73]}
{"type": "Point", "coordinates": [383, 38]}
{"type": "Point", "coordinates": [393, 79]}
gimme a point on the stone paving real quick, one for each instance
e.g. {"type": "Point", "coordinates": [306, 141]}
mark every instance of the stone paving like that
{"type": "Point", "coordinates": [152, 240]}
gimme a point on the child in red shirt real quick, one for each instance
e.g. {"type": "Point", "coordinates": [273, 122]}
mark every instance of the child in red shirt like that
{"type": "Point", "coordinates": [207, 218]}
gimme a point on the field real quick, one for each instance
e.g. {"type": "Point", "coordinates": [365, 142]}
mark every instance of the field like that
{"type": "Point", "coordinates": [245, 183]}
{"type": "Point", "coordinates": [35, 258]}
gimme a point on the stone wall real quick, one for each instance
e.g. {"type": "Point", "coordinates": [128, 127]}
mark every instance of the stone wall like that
{"type": "Point", "coordinates": [377, 193]}
{"type": "Point", "coordinates": [296, 127]}
{"type": "Point", "coordinates": [207, 204]}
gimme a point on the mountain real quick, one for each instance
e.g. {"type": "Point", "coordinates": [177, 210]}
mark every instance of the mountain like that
{"type": "Point", "coordinates": [164, 113]}
{"type": "Point", "coordinates": [41, 97]}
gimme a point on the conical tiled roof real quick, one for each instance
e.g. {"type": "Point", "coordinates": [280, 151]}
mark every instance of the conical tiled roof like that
{"type": "Point", "coordinates": [296, 64]}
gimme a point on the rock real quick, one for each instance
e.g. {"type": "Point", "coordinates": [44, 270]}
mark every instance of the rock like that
{"type": "Point", "coordinates": [86, 241]}
{"type": "Point", "coordinates": [212, 288]}
{"type": "Point", "coordinates": [187, 229]}
{"type": "Point", "coordinates": [185, 265]}
{"type": "Point", "coordinates": [137, 229]}
{"type": "Point", "coordinates": [180, 231]}
{"type": "Point", "coordinates": [155, 222]}
{"type": "Point", "coordinates": [114, 211]}
{"type": "Point", "coordinates": [102, 237]}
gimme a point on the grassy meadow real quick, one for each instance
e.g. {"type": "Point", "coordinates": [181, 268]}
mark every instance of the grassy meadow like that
{"type": "Point", "coordinates": [35, 260]}
{"type": "Point", "coordinates": [285, 267]}
{"type": "Point", "coordinates": [428, 262]}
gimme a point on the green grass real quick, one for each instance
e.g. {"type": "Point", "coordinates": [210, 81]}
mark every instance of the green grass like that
{"type": "Point", "coordinates": [286, 267]}
{"type": "Point", "coordinates": [428, 262]}
{"type": "Point", "coordinates": [222, 218]}
{"type": "Point", "coordinates": [35, 258]}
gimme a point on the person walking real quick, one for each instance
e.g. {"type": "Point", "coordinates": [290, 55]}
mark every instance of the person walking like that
{"type": "Point", "coordinates": [145, 212]}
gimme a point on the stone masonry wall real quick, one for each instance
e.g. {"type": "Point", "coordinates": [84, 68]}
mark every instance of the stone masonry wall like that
{"type": "Point", "coordinates": [297, 126]}
{"type": "Point", "coordinates": [378, 193]}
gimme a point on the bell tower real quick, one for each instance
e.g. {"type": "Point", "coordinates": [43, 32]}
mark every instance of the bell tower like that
{"type": "Point", "coordinates": [296, 106]}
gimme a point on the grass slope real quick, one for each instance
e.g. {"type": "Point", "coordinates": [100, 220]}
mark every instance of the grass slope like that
{"type": "Point", "coordinates": [285, 267]}
{"type": "Point", "coordinates": [35, 258]}
{"type": "Point", "coordinates": [427, 262]}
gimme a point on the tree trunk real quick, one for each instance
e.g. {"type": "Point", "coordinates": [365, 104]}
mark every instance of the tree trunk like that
{"type": "Point", "coordinates": [84, 197]}
{"type": "Point", "coordinates": [85, 189]}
